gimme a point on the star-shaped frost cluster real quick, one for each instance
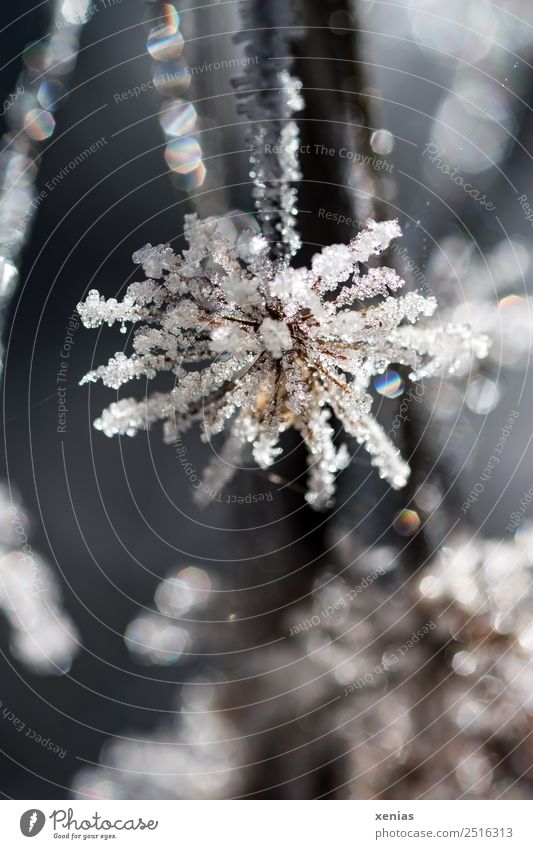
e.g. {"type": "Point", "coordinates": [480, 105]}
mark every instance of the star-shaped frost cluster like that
{"type": "Point", "coordinates": [262, 347]}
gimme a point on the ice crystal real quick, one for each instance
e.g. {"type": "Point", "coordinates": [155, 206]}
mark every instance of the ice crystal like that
{"type": "Point", "coordinates": [266, 346]}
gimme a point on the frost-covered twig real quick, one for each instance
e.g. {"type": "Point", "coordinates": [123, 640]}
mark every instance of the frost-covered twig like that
{"type": "Point", "coordinates": [269, 95]}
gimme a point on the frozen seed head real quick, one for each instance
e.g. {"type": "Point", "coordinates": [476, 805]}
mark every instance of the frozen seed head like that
{"type": "Point", "coordinates": [256, 346]}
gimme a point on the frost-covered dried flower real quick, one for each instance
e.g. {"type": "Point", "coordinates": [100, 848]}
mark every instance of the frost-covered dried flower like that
{"type": "Point", "coordinates": [433, 673]}
{"type": "Point", "coordinates": [269, 346]}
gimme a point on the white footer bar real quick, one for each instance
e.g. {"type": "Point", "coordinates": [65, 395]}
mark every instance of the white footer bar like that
{"type": "Point", "coordinates": [268, 824]}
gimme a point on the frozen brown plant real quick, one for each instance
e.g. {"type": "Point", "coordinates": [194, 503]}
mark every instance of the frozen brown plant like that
{"type": "Point", "coordinates": [258, 346]}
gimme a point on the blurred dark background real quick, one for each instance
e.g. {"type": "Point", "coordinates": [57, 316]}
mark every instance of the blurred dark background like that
{"type": "Point", "coordinates": [113, 516]}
